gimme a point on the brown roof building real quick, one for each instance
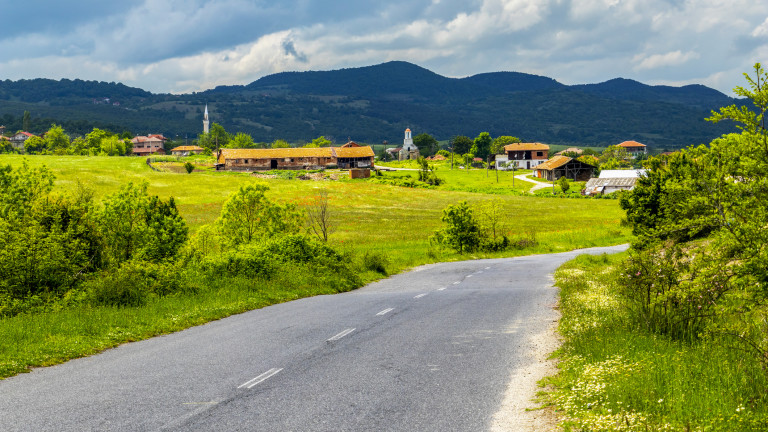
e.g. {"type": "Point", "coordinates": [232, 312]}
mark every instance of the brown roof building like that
{"type": "Point", "coordinates": [527, 155]}
{"type": "Point", "coordinates": [563, 166]}
{"type": "Point", "coordinates": [295, 158]}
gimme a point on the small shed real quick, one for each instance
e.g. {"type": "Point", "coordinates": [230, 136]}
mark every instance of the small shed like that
{"type": "Point", "coordinates": [604, 186]}
{"type": "Point", "coordinates": [563, 166]}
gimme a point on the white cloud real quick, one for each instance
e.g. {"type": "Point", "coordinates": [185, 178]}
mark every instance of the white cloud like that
{"type": "Point", "coordinates": [761, 30]}
{"type": "Point", "coordinates": [674, 58]}
{"type": "Point", "coordinates": [184, 45]}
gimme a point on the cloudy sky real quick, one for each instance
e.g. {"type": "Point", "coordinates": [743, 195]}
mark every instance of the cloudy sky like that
{"type": "Point", "coordinates": [189, 45]}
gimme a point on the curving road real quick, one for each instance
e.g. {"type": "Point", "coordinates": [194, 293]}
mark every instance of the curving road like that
{"type": "Point", "coordinates": [428, 350]}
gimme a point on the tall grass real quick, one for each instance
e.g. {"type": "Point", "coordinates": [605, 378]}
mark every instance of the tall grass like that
{"type": "Point", "coordinates": [616, 377]}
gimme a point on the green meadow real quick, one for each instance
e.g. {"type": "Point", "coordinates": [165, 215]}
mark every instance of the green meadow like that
{"type": "Point", "coordinates": [369, 217]}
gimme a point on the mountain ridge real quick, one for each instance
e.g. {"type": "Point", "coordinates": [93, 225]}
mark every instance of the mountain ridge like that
{"type": "Point", "coordinates": [375, 103]}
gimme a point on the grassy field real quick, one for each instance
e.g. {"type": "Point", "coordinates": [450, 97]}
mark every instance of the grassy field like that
{"type": "Point", "coordinates": [393, 221]}
{"type": "Point", "coordinates": [617, 378]}
{"type": "Point", "coordinates": [370, 216]}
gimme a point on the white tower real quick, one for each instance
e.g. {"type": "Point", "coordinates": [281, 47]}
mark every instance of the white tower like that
{"type": "Point", "coordinates": [205, 120]}
{"type": "Point", "coordinates": [408, 141]}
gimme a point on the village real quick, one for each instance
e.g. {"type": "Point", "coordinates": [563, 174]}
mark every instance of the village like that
{"type": "Point", "coordinates": [572, 164]}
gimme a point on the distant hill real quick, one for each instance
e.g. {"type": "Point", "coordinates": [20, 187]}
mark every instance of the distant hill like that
{"type": "Point", "coordinates": [376, 103]}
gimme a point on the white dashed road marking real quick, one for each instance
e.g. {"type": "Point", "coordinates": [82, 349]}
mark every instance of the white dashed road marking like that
{"type": "Point", "coordinates": [341, 335]}
{"type": "Point", "coordinates": [261, 378]}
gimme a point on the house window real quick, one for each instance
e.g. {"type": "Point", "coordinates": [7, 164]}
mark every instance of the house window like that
{"type": "Point", "coordinates": [539, 154]}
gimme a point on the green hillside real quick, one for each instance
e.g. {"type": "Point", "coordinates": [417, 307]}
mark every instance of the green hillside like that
{"type": "Point", "coordinates": [376, 103]}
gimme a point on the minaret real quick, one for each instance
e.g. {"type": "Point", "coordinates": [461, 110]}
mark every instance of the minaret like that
{"type": "Point", "coordinates": [205, 120]}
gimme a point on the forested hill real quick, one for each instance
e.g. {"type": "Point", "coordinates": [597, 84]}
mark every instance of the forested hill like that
{"type": "Point", "coordinates": [376, 103]}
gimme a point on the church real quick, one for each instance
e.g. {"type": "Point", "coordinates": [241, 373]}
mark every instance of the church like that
{"type": "Point", "coordinates": [409, 149]}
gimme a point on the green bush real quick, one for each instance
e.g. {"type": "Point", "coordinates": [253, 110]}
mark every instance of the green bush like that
{"type": "Point", "coordinates": [375, 261]}
{"type": "Point", "coordinates": [132, 284]}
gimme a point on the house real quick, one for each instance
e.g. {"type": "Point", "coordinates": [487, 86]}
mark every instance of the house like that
{"type": "Point", "coordinates": [563, 166]}
{"type": "Point", "coordinates": [17, 141]}
{"type": "Point", "coordinates": [353, 156]}
{"type": "Point", "coordinates": [634, 148]}
{"type": "Point", "coordinates": [186, 150]}
{"type": "Point", "coordinates": [295, 158]}
{"type": "Point", "coordinates": [612, 180]}
{"type": "Point", "coordinates": [148, 145]}
{"type": "Point", "coordinates": [527, 155]}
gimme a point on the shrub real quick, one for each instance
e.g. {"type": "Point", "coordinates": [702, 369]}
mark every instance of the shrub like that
{"type": "Point", "coordinates": [375, 261]}
{"type": "Point", "coordinates": [132, 284]}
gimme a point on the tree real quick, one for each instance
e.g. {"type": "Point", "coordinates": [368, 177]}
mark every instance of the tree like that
{"type": "Point", "coordinates": [56, 141]}
{"type": "Point", "coordinates": [492, 216]}
{"type": "Point", "coordinates": [320, 216]}
{"type": "Point", "coordinates": [426, 143]}
{"type": "Point", "coordinates": [217, 137]}
{"type": "Point", "coordinates": [497, 147]}
{"type": "Point", "coordinates": [248, 215]}
{"type": "Point", "coordinates": [461, 144]}
{"type": "Point", "coordinates": [241, 140]}
{"type": "Point", "coordinates": [278, 143]}
{"type": "Point", "coordinates": [482, 145]}
{"type": "Point", "coordinates": [114, 146]}
{"type": "Point", "coordinates": [462, 232]}
{"type": "Point", "coordinates": [320, 141]}
{"type": "Point", "coordinates": [615, 157]}
{"type": "Point", "coordinates": [34, 144]}
{"type": "Point", "coordinates": [135, 225]}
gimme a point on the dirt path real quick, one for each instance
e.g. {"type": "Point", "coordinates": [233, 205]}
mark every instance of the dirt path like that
{"type": "Point", "coordinates": [538, 185]}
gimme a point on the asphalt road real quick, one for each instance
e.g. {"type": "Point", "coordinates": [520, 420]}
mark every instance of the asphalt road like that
{"type": "Point", "coordinates": [428, 350]}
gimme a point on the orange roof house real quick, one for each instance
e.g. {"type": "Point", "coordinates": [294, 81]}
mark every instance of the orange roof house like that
{"type": "Point", "coordinates": [527, 155]}
{"type": "Point", "coordinates": [634, 148]}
